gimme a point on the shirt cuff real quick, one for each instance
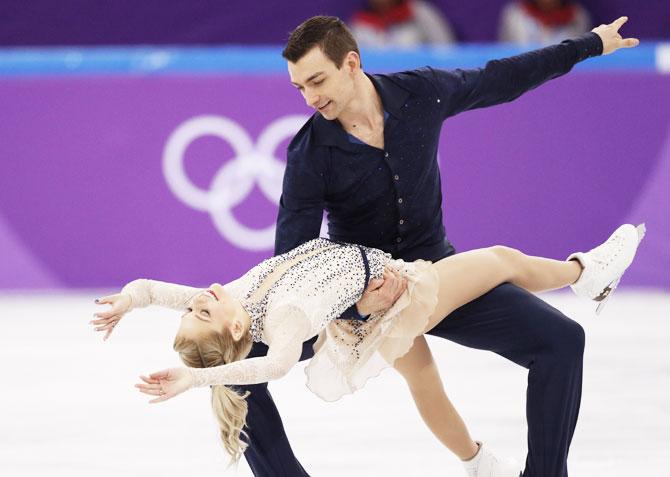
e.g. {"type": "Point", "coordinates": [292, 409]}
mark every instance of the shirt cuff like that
{"type": "Point", "coordinates": [588, 45]}
{"type": "Point", "coordinates": [352, 314]}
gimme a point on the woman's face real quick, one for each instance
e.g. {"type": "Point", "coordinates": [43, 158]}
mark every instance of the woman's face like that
{"type": "Point", "coordinates": [213, 309]}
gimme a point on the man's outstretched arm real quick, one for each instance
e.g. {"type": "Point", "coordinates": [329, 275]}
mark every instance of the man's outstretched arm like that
{"type": "Point", "coordinates": [506, 79]}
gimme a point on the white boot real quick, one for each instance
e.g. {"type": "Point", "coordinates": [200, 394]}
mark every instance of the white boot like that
{"type": "Point", "coordinates": [485, 464]}
{"type": "Point", "coordinates": [604, 265]}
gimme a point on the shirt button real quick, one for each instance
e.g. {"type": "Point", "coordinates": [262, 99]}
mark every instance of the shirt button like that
{"type": "Point", "coordinates": [400, 201]}
{"type": "Point", "coordinates": [386, 154]}
{"type": "Point", "coordinates": [401, 221]}
{"type": "Point", "coordinates": [396, 177]}
{"type": "Point", "coordinates": [398, 240]}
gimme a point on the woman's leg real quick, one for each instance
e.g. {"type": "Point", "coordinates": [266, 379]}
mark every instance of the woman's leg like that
{"type": "Point", "coordinates": [419, 370]}
{"type": "Point", "coordinates": [464, 277]}
{"type": "Point", "coordinates": [468, 275]}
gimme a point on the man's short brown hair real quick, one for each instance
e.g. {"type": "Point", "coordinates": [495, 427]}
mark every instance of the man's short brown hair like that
{"type": "Point", "coordinates": [328, 33]}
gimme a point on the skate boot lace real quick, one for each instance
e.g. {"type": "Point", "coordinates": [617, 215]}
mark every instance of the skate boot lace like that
{"type": "Point", "coordinates": [602, 257]}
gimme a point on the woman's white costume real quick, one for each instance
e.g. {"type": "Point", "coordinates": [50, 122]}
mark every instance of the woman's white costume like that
{"type": "Point", "coordinates": [297, 295]}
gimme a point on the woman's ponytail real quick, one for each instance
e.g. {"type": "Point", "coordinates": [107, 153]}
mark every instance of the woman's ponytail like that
{"type": "Point", "coordinates": [230, 408]}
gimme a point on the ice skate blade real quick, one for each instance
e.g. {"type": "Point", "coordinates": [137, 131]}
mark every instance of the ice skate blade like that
{"type": "Point", "coordinates": [641, 232]}
{"type": "Point", "coordinates": [607, 294]}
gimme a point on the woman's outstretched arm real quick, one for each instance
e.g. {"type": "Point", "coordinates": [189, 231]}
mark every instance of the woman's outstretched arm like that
{"type": "Point", "coordinates": [138, 294]}
{"type": "Point", "coordinates": [284, 349]}
{"type": "Point", "coordinates": [145, 292]}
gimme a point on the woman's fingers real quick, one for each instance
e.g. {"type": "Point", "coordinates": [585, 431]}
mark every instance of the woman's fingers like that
{"type": "Point", "coordinates": [113, 311]}
{"type": "Point", "coordinates": [172, 381]}
{"type": "Point", "coordinates": [104, 321]}
{"type": "Point", "coordinates": [103, 300]}
{"type": "Point", "coordinates": [160, 375]}
{"type": "Point", "coordinates": [120, 303]}
{"type": "Point", "coordinates": [103, 315]}
{"type": "Point", "coordinates": [152, 392]}
{"type": "Point", "coordinates": [155, 390]}
{"type": "Point", "coordinates": [162, 398]}
{"type": "Point", "coordinates": [149, 380]}
{"type": "Point", "coordinates": [106, 326]}
{"type": "Point", "coordinates": [149, 388]}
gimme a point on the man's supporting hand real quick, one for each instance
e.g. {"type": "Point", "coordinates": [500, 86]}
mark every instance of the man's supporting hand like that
{"type": "Point", "coordinates": [382, 293]}
{"type": "Point", "coordinates": [612, 40]}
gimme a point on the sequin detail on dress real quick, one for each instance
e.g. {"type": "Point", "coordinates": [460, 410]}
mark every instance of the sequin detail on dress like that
{"type": "Point", "coordinates": [331, 272]}
{"type": "Point", "coordinates": [297, 295]}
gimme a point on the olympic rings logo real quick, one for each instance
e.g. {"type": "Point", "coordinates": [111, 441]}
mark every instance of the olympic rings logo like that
{"type": "Point", "coordinates": [252, 164]}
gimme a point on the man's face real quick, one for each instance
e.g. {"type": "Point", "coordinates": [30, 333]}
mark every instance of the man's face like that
{"type": "Point", "coordinates": [324, 87]}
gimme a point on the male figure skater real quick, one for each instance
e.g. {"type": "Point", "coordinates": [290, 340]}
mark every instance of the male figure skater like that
{"type": "Point", "coordinates": [368, 156]}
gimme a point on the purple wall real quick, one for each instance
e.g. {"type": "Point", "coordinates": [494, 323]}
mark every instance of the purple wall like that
{"type": "Point", "coordinates": [84, 200]}
{"type": "Point", "coordinates": [82, 22]}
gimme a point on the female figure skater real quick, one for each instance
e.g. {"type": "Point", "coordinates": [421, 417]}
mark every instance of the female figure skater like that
{"type": "Point", "coordinates": [292, 297]}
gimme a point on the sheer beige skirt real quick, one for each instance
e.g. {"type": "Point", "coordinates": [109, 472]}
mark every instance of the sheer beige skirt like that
{"type": "Point", "coordinates": [347, 352]}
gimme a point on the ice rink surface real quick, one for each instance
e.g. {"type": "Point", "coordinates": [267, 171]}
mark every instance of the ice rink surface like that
{"type": "Point", "coordinates": [68, 406]}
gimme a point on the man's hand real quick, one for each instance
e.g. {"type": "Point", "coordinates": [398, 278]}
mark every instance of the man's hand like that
{"type": "Point", "coordinates": [382, 293]}
{"type": "Point", "coordinates": [612, 40]}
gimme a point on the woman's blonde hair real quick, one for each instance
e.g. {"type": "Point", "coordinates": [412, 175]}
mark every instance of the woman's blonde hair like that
{"type": "Point", "coordinates": [230, 408]}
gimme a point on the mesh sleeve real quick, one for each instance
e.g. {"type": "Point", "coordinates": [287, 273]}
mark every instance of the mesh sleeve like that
{"type": "Point", "coordinates": [286, 332]}
{"type": "Point", "coordinates": [145, 292]}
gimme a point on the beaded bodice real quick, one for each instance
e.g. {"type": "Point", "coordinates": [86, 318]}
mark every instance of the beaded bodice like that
{"type": "Point", "coordinates": [290, 298]}
{"type": "Point", "coordinates": [321, 277]}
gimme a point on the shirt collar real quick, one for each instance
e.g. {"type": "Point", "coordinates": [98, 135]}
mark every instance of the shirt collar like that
{"type": "Point", "coordinates": [331, 133]}
{"type": "Point", "coordinates": [393, 95]}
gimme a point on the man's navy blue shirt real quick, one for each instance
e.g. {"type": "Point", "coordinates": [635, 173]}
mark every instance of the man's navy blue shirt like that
{"type": "Point", "coordinates": [391, 199]}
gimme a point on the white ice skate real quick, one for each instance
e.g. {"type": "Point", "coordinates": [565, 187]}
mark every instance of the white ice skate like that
{"type": "Point", "coordinates": [485, 464]}
{"type": "Point", "coordinates": [604, 265]}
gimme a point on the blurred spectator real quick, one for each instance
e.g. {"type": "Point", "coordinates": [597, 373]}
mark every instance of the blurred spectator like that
{"type": "Point", "coordinates": [542, 21]}
{"type": "Point", "coordinates": [400, 23]}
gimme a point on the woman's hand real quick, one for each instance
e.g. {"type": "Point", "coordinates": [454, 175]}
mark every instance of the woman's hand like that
{"type": "Point", "coordinates": [166, 384]}
{"type": "Point", "coordinates": [108, 319]}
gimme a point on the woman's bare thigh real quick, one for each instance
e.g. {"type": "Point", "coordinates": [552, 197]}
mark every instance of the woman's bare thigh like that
{"type": "Point", "coordinates": [466, 276]}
